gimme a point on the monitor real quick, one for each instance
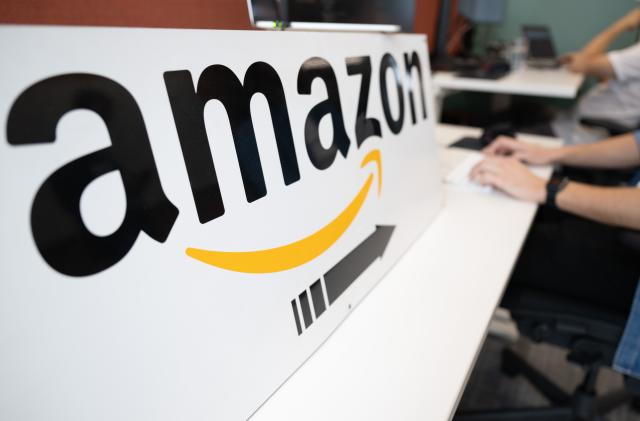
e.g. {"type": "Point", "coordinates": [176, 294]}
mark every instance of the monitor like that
{"type": "Point", "coordinates": [540, 41]}
{"type": "Point", "coordinates": [340, 15]}
{"type": "Point", "coordinates": [265, 11]}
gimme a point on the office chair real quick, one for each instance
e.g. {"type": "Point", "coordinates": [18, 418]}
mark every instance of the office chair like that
{"type": "Point", "coordinates": [613, 128]}
{"type": "Point", "coordinates": [591, 335]}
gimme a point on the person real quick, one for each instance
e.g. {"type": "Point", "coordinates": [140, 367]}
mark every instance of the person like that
{"type": "Point", "coordinates": [579, 243]}
{"type": "Point", "coordinates": [617, 97]}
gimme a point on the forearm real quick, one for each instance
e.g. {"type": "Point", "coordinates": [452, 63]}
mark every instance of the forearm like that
{"type": "Point", "coordinates": [617, 152]}
{"type": "Point", "coordinates": [618, 206]}
{"type": "Point", "coordinates": [602, 41]}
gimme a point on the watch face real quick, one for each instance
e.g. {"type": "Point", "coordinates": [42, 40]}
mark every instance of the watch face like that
{"type": "Point", "coordinates": [563, 183]}
{"type": "Point", "coordinates": [554, 186]}
{"type": "Point", "coordinates": [555, 182]}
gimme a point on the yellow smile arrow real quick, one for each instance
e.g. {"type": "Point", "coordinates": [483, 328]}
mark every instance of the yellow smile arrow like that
{"type": "Point", "coordinates": [297, 253]}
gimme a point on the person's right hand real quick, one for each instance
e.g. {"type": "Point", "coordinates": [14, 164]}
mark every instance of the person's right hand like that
{"type": "Point", "coordinates": [575, 62]}
{"type": "Point", "coordinates": [567, 58]}
{"type": "Point", "coordinates": [525, 152]}
{"type": "Point", "coordinates": [631, 20]}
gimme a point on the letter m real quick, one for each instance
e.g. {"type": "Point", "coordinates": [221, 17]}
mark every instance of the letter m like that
{"type": "Point", "coordinates": [220, 83]}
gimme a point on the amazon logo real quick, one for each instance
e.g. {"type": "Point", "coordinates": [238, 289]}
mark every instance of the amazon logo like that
{"type": "Point", "coordinates": [67, 245]}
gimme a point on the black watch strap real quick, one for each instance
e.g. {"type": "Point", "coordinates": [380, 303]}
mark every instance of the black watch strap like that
{"type": "Point", "coordinates": [555, 186]}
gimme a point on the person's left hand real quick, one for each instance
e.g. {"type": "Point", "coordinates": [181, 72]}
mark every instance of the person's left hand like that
{"type": "Point", "coordinates": [510, 176]}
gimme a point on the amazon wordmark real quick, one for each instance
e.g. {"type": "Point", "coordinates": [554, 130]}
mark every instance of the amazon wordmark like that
{"type": "Point", "coordinates": [58, 229]}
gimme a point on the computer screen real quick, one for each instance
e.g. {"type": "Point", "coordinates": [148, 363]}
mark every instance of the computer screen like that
{"type": "Point", "coordinates": [389, 12]}
{"type": "Point", "coordinates": [540, 41]}
{"type": "Point", "coordinates": [325, 13]}
{"type": "Point", "coordinates": [266, 10]}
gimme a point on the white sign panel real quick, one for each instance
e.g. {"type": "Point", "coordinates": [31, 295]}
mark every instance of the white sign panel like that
{"type": "Point", "coordinates": [188, 215]}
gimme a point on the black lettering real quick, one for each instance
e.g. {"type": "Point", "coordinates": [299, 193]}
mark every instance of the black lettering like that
{"type": "Point", "coordinates": [409, 64]}
{"type": "Point", "coordinates": [58, 230]}
{"type": "Point", "coordinates": [365, 127]}
{"type": "Point", "coordinates": [388, 62]}
{"type": "Point", "coordinates": [322, 158]}
{"type": "Point", "coordinates": [220, 83]}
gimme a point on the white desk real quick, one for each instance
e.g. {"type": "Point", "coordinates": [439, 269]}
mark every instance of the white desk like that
{"type": "Point", "coordinates": [549, 83]}
{"type": "Point", "coordinates": [552, 83]}
{"type": "Point", "coordinates": [406, 351]}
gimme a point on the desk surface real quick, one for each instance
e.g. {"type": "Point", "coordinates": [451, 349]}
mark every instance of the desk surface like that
{"type": "Point", "coordinates": [553, 83]}
{"type": "Point", "coordinates": [406, 351]}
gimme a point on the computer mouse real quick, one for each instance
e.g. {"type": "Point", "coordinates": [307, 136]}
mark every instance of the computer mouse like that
{"type": "Point", "coordinates": [490, 133]}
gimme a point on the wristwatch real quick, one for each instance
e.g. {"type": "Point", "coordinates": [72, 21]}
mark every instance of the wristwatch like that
{"type": "Point", "coordinates": [555, 186]}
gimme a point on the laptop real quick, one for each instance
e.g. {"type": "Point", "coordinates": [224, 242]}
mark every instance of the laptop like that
{"type": "Point", "coordinates": [333, 15]}
{"type": "Point", "coordinates": [542, 52]}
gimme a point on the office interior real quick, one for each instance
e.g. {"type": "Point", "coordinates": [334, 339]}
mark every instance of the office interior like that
{"type": "Point", "coordinates": [555, 345]}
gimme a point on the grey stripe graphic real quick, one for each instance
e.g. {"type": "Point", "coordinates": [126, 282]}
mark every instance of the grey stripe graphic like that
{"type": "Point", "coordinates": [294, 305]}
{"type": "Point", "coordinates": [318, 298]}
{"type": "Point", "coordinates": [306, 309]}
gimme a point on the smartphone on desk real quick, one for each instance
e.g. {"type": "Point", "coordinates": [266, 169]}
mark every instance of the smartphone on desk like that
{"type": "Point", "coordinates": [472, 143]}
{"type": "Point", "coordinates": [488, 135]}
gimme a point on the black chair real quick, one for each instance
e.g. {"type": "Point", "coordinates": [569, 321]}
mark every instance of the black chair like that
{"type": "Point", "coordinates": [612, 127]}
{"type": "Point", "coordinates": [591, 335]}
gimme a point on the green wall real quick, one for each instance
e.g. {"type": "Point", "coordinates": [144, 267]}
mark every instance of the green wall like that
{"type": "Point", "coordinates": [573, 22]}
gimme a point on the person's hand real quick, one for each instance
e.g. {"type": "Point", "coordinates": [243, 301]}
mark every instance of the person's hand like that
{"type": "Point", "coordinates": [575, 62]}
{"type": "Point", "coordinates": [567, 58]}
{"type": "Point", "coordinates": [510, 176]}
{"type": "Point", "coordinates": [526, 152]}
{"type": "Point", "coordinates": [631, 20]}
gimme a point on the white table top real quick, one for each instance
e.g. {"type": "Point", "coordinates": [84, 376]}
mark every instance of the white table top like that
{"type": "Point", "coordinates": [552, 83]}
{"type": "Point", "coordinates": [406, 351]}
